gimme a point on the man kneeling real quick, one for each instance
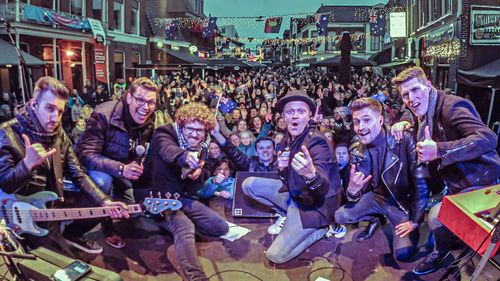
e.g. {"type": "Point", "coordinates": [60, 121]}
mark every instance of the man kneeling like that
{"type": "Point", "coordinates": [384, 179]}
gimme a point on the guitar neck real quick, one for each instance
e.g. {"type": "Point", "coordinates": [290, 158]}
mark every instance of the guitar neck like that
{"type": "Point", "coordinates": [77, 213]}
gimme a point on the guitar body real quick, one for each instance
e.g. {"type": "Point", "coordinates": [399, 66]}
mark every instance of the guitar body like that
{"type": "Point", "coordinates": [15, 210]}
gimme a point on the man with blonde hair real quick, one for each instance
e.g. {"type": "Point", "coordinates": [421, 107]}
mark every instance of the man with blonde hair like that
{"type": "Point", "coordinates": [177, 166]}
{"type": "Point", "coordinates": [34, 150]}
{"type": "Point", "coordinates": [457, 146]}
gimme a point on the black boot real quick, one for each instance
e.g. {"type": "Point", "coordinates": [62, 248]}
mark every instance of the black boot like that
{"type": "Point", "coordinates": [369, 230]}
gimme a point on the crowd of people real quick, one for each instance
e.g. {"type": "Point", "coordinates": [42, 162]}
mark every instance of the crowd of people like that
{"type": "Point", "coordinates": [370, 150]}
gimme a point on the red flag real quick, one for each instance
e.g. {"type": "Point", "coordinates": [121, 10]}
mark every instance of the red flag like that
{"type": "Point", "coordinates": [273, 25]}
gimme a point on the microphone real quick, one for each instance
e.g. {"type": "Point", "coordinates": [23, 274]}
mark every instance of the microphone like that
{"type": "Point", "coordinates": [139, 154]}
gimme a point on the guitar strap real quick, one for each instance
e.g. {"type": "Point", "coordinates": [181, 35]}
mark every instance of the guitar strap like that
{"type": "Point", "coordinates": [57, 170]}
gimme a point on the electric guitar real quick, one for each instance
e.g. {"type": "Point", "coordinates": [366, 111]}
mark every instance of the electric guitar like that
{"type": "Point", "coordinates": [20, 213]}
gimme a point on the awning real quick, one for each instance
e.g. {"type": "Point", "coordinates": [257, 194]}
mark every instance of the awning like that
{"type": "Point", "coordinates": [228, 62]}
{"type": "Point", "coordinates": [187, 58]}
{"type": "Point", "coordinates": [484, 76]}
{"type": "Point", "coordinates": [397, 63]}
{"type": "Point", "coordinates": [381, 57]}
{"type": "Point", "coordinates": [335, 61]}
{"type": "Point", "coordinates": [9, 56]}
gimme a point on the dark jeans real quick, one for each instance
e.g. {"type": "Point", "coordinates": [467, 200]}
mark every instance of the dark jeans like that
{"type": "Point", "coordinates": [372, 204]}
{"type": "Point", "coordinates": [120, 189]}
{"type": "Point", "coordinates": [182, 224]}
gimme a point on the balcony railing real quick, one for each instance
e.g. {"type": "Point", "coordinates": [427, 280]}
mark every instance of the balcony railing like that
{"type": "Point", "coordinates": [43, 16]}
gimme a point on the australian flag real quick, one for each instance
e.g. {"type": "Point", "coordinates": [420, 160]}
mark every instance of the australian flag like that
{"type": "Point", "coordinates": [322, 24]}
{"type": "Point", "coordinates": [377, 22]}
{"type": "Point", "coordinates": [172, 30]}
{"type": "Point", "coordinates": [226, 105]}
{"type": "Point", "coordinates": [209, 27]}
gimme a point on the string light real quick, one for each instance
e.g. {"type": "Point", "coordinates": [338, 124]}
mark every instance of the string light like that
{"type": "Point", "coordinates": [264, 41]}
{"type": "Point", "coordinates": [448, 49]}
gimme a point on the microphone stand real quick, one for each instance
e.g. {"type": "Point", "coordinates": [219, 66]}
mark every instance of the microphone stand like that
{"type": "Point", "coordinates": [20, 58]}
{"type": "Point", "coordinates": [11, 248]}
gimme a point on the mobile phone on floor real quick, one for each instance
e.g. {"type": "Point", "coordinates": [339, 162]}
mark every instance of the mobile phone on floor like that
{"type": "Point", "coordinates": [74, 271]}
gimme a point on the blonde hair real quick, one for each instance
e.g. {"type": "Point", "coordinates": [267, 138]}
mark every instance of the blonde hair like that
{"type": "Point", "coordinates": [145, 83]}
{"type": "Point", "coordinates": [195, 112]}
{"type": "Point", "coordinates": [47, 83]}
{"type": "Point", "coordinates": [409, 73]}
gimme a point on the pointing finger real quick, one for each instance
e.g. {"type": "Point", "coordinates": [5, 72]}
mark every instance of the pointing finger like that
{"type": "Point", "coordinates": [27, 141]}
{"type": "Point", "coordinates": [304, 149]}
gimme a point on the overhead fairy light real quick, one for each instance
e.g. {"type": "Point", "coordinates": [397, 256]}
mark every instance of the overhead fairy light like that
{"type": "Point", "coordinates": [360, 15]}
{"type": "Point", "coordinates": [447, 49]}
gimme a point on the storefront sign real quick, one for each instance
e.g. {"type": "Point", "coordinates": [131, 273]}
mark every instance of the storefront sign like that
{"type": "Point", "coordinates": [397, 26]}
{"type": "Point", "coordinates": [440, 35]}
{"type": "Point", "coordinates": [485, 25]}
{"type": "Point", "coordinates": [101, 73]}
{"type": "Point", "coordinates": [98, 31]}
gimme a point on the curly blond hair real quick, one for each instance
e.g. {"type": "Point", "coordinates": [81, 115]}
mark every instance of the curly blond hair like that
{"type": "Point", "coordinates": [195, 112]}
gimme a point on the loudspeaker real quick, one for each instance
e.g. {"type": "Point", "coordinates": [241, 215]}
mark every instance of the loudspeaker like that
{"type": "Point", "coordinates": [48, 262]}
{"type": "Point", "coordinates": [244, 206]}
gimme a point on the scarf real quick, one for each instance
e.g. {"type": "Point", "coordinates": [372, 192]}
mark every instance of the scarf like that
{"type": "Point", "coordinates": [428, 119]}
{"type": "Point", "coordinates": [31, 126]}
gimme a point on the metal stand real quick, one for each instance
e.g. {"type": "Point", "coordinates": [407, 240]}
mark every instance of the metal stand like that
{"type": "Point", "coordinates": [10, 248]}
{"type": "Point", "coordinates": [494, 240]}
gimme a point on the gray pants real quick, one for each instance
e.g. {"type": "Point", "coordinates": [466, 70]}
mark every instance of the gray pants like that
{"type": "Point", "coordinates": [293, 238]}
{"type": "Point", "coordinates": [371, 204]}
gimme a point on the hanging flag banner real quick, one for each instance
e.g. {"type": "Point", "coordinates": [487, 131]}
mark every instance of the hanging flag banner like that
{"type": "Point", "coordinates": [377, 22]}
{"type": "Point", "coordinates": [97, 30]}
{"type": "Point", "coordinates": [273, 25]}
{"type": "Point", "coordinates": [209, 27]}
{"type": "Point", "coordinates": [322, 24]}
{"type": "Point", "coordinates": [172, 30]}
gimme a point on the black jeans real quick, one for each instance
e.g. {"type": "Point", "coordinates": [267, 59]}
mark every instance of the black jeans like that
{"type": "Point", "coordinates": [371, 204]}
{"type": "Point", "coordinates": [182, 224]}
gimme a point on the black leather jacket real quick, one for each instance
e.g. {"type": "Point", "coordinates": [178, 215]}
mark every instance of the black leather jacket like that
{"type": "Point", "coordinates": [244, 163]}
{"type": "Point", "coordinates": [400, 174]}
{"type": "Point", "coordinates": [16, 178]}
{"type": "Point", "coordinates": [466, 145]}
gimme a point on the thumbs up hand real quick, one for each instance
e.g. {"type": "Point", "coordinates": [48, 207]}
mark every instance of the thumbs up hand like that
{"type": "Point", "coordinates": [303, 164]}
{"type": "Point", "coordinates": [35, 153]}
{"type": "Point", "coordinates": [427, 149]}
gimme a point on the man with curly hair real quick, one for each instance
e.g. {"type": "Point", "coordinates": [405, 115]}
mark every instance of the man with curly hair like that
{"type": "Point", "coordinates": [177, 167]}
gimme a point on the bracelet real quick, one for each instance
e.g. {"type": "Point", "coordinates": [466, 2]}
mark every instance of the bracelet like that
{"type": "Point", "coordinates": [309, 181]}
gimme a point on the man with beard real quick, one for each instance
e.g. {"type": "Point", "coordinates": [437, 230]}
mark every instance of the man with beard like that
{"type": "Point", "coordinates": [33, 152]}
{"type": "Point", "coordinates": [452, 139]}
{"type": "Point", "coordinates": [176, 167]}
{"type": "Point", "coordinates": [309, 192]}
{"type": "Point", "coordinates": [384, 179]}
{"type": "Point", "coordinates": [116, 133]}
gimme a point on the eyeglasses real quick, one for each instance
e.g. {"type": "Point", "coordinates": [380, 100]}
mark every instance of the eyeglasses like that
{"type": "Point", "coordinates": [190, 130]}
{"type": "Point", "coordinates": [142, 102]}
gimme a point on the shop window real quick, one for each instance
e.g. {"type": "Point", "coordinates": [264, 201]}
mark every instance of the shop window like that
{"type": "Point", "coordinates": [135, 22]}
{"type": "Point", "coordinates": [118, 15]}
{"type": "Point", "coordinates": [374, 43]}
{"type": "Point", "coordinates": [119, 65]}
{"type": "Point", "coordinates": [97, 9]}
{"type": "Point", "coordinates": [75, 7]}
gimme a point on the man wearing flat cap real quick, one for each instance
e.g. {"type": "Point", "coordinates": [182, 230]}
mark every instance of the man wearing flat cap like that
{"type": "Point", "coordinates": [308, 193]}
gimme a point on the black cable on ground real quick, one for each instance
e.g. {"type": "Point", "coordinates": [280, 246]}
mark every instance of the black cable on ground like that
{"type": "Point", "coordinates": [235, 270]}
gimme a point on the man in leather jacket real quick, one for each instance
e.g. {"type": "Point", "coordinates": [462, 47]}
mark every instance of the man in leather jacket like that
{"type": "Point", "coordinates": [309, 192]}
{"type": "Point", "coordinates": [34, 149]}
{"type": "Point", "coordinates": [111, 145]}
{"type": "Point", "coordinates": [384, 179]}
{"type": "Point", "coordinates": [452, 139]}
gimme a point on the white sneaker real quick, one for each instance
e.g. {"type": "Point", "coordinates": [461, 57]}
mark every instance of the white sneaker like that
{"type": "Point", "coordinates": [277, 226]}
{"type": "Point", "coordinates": [337, 230]}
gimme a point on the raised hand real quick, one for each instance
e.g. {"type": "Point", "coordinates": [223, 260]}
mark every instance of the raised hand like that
{"type": "Point", "coordinates": [269, 116]}
{"type": "Point", "coordinates": [132, 171]}
{"type": "Point", "coordinates": [283, 159]}
{"type": "Point", "coordinates": [303, 164]}
{"type": "Point", "coordinates": [398, 129]}
{"type": "Point", "coordinates": [35, 153]}
{"type": "Point", "coordinates": [357, 180]}
{"type": "Point", "coordinates": [427, 149]}
{"type": "Point", "coordinates": [192, 160]}
{"type": "Point", "coordinates": [219, 178]}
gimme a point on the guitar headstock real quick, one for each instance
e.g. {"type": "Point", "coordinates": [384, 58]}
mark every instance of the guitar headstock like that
{"type": "Point", "coordinates": [159, 205]}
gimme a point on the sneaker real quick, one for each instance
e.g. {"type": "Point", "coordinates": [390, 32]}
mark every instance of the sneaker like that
{"type": "Point", "coordinates": [84, 244]}
{"type": "Point", "coordinates": [115, 241]}
{"type": "Point", "coordinates": [277, 226]}
{"type": "Point", "coordinates": [430, 263]}
{"type": "Point", "coordinates": [337, 230]}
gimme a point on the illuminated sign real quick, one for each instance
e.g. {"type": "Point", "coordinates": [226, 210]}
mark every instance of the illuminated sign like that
{"type": "Point", "coordinates": [484, 25]}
